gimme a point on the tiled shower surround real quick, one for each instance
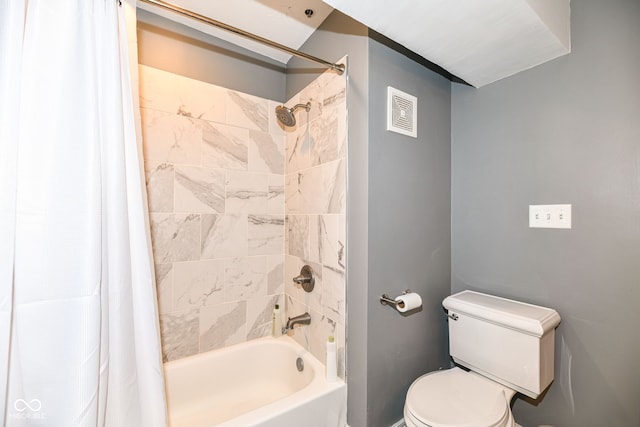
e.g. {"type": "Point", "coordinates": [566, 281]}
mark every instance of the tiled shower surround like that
{"type": "Point", "coordinates": [315, 195]}
{"type": "Point", "coordinates": [218, 167]}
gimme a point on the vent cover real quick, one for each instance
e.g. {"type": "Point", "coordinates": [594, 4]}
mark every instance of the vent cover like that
{"type": "Point", "coordinates": [402, 112]}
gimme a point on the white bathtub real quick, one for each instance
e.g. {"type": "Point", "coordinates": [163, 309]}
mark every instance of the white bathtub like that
{"type": "Point", "coordinates": [253, 384]}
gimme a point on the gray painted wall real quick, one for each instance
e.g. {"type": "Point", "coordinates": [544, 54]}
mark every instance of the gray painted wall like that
{"type": "Point", "coordinates": [409, 231]}
{"type": "Point", "coordinates": [173, 47]}
{"type": "Point", "coordinates": [564, 132]}
{"type": "Point", "coordinates": [398, 209]}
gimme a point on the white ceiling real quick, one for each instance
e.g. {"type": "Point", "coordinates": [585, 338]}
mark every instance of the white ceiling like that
{"type": "Point", "coordinates": [477, 41]}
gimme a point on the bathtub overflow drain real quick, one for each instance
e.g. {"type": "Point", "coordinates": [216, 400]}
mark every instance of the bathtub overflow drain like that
{"type": "Point", "coordinates": [300, 364]}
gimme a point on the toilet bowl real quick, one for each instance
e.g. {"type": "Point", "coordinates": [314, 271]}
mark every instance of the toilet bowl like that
{"type": "Point", "coordinates": [454, 397]}
{"type": "Point", "coordinates": [504, 346]}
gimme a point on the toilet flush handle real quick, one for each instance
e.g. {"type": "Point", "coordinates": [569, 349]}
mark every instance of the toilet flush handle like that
{"type": "Point", "coordinates": [452, 316]}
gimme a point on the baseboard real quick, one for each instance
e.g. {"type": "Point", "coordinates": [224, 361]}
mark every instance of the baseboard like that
{"type": "Point", "coordinates": [399, 423]}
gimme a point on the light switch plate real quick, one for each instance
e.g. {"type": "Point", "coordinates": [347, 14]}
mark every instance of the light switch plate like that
{"type": "Point", "coordinates": [549, 216]}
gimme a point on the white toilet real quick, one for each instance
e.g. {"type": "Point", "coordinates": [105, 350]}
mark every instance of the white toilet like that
{"type": "Point", "coordinates": [508, 347]}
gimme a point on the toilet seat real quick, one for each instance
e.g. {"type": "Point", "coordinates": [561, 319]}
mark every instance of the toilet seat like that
{"type": "Point", "coordinates": [456, 398]}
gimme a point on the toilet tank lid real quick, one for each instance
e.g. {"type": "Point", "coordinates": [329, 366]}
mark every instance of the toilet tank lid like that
{"type": "Point", "coordinates": [527, 318]}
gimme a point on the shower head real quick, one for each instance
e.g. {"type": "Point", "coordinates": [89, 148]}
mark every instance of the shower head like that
{"type": "Point", "coordinates": [285, 115]}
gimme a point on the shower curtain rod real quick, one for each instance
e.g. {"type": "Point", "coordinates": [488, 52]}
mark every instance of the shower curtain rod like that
{"type": "Point", "coordinates": [177, 9]}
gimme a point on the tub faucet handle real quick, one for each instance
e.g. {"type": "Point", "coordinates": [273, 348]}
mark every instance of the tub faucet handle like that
{"type": "Point", "coordinates": [306, 278]}
{"type": "Point", "coordinates": [301, 279]}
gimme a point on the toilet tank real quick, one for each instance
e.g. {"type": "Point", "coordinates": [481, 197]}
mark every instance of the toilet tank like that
{"type": "Point", "coordinates": [507, 341]}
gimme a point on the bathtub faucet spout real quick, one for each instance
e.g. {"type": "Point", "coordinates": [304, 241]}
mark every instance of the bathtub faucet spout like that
{"type": "Point", "coordinates": [303, 319]}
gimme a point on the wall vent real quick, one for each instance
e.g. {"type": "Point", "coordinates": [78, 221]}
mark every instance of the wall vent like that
{"type": "Point", "coordinates": [402, 112]}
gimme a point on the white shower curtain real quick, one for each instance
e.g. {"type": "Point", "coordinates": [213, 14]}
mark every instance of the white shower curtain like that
{"type": "Point", "coordinates": [79, 338]}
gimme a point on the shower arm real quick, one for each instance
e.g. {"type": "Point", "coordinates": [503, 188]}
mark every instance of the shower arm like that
{"type": "Point", "coordinates": [306, 106]}
{"type": "Point", "coordinates": [339, 68]}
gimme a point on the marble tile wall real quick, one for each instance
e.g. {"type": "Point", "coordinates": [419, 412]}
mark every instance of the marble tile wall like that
{"type": "Point", "coordinates": [238, 205]}
{"type": "Point", "coordinates": [315, 234]}
{"type": "Point", "coordinates": [215, 172]}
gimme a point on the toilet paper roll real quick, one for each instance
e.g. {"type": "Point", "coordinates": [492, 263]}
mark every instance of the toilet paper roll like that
{"type": "Point", "coordinates": [407, 302]}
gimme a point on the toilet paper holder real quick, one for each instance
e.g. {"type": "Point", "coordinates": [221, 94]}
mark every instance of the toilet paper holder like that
{"type": "Point", "coordinates": [386, 300]}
